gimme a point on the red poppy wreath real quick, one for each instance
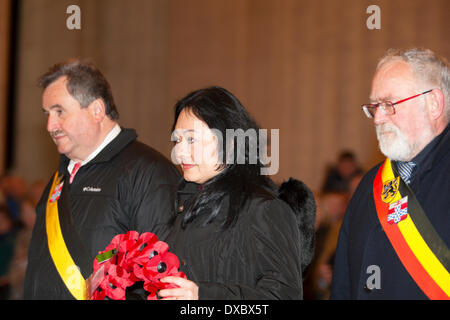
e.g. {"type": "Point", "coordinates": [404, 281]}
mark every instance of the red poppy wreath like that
{"type": "Point", "coordinates": [131, 267]}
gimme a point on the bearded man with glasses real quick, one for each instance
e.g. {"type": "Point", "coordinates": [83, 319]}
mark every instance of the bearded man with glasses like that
{"type": "Point", "coordinates": [394, 240]}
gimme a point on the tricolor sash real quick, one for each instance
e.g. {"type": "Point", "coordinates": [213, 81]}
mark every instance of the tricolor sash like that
{"type": "Point", "coordinates": [68, 270]}
{"type": "Point", "coordinates": [420, 249]}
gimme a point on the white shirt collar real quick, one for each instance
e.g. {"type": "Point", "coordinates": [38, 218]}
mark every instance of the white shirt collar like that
{"type": "Point", "coordinates": [110, 137]}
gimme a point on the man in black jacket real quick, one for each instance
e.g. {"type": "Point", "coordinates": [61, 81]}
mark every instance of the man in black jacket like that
{"type": "Point", "coordinates": [394, 239]}
{"type": "Point", "coordinates": [107, 183]}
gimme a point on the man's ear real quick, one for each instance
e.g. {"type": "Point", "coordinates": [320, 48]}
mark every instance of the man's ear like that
{"type": "Point", "coordinates": [97, 109]}
{"type": "Point", "coordinates": [435, 103]}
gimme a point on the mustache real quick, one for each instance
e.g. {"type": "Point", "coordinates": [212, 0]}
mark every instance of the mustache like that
{"type": "Point", "coordinates": [386, 127]}
{"type": "Point", "coordinates": [56, 133]}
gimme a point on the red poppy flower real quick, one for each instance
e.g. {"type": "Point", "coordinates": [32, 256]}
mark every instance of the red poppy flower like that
{"type": "Point", "coordinates": [132, 258]}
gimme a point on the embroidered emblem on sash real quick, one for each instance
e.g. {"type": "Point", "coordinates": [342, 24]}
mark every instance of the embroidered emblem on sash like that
{"type": "Point", "coordinates": [390, 189]}
{"type": "Point", "coordinates": [398, 211]}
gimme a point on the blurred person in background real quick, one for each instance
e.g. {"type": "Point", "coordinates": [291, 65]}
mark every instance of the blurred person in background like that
{"type": "Point", "coordinates": [331, 210]}
{"type": "Point", "coordinates": [7, 243]}
{"type": "Point", "coordinates": [19, 261]}
{"type": "Point", "coordinates": [14, 188]}
{"type": "Point", "coordinates": [338, 176]}
{"type": "Point", "coordinates": [35, 191]}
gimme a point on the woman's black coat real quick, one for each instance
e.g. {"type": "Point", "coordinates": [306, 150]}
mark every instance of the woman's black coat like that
{"type": "Point", "coordinates": [260, 257]}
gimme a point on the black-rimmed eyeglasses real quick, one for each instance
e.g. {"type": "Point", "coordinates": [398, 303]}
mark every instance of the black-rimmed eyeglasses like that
{"type": "Point", "coordinates": [386, 106]}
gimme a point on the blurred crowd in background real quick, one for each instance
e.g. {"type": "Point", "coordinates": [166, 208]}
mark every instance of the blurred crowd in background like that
{"type": "Point", "coordinates": [341, 180]}
{"type": "Point", "coordinates": [17, 216]}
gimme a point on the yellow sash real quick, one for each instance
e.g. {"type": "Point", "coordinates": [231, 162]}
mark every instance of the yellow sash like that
{"type": "Point", "coordinates": [67, 269]}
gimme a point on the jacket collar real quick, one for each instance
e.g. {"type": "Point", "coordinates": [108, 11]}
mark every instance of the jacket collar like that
{"type": "Point", "coordinates": [439, 148]}
{"type": "Point", "coordinates": [186, 190]}
{"type": "Point", "coordinates": [125, 137]}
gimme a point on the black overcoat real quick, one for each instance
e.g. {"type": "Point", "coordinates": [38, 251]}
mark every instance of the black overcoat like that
{"type": "Point", "coordinates": [127, 186]}
{"type": "Point", "coordinates": [362, 242]}
{"type": "Point", "coordinates": [257, 258]}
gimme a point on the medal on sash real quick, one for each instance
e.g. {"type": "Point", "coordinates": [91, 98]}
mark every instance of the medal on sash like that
{"type": "Point", "coordinates": [56, 193]}
{"type": "Point", "coordinates": [398, 211]}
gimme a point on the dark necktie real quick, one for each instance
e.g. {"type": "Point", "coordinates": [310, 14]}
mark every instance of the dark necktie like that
{"type": "Point", "coordinates": [405, 169]}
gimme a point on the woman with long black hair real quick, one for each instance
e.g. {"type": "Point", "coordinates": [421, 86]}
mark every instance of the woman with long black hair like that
{"type": "Point", "coordinates": [237, 235]}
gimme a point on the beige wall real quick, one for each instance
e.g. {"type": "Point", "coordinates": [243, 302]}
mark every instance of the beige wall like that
{"type": "Point", "coordinates": [5, 6]}
{"type": "Point", "coordinates": [300, 66]}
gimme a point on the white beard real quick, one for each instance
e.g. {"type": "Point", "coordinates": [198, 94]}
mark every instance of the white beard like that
{"type": "Point", "coordinates": [396, 145]}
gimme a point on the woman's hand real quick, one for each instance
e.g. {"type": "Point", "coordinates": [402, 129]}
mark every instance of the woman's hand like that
{"type": "Point", "coordinates": [187, 290]}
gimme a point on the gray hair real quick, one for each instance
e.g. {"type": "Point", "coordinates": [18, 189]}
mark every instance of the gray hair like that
{"type": "Point", "coordinates": [85, 83]}
{"type": "Point", "coordinates": [428, 68]}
